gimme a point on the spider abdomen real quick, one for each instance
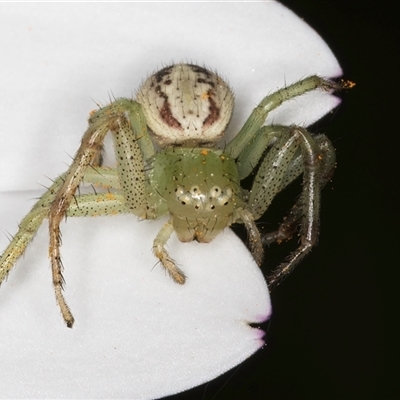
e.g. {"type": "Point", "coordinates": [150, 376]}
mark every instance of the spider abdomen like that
{"type": "Point", "coordinates": [185, 103]}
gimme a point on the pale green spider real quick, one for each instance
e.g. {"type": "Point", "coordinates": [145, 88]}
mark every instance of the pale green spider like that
{"type": "Point", "coordinates": [184, 109]}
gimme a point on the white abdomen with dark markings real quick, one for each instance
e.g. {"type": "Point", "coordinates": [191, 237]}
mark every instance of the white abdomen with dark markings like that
{"type": "Point", "coordinates": [186, 103]}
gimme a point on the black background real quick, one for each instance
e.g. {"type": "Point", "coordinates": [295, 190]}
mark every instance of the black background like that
{"type": "Point", "coordinates": [332, 334]}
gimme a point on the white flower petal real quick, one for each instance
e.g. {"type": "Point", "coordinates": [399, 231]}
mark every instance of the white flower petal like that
{"type": "Point", "coordinates": [137, 334]}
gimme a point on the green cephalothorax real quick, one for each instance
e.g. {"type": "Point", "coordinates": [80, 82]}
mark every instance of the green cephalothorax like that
{"type": "Point", "coordinates": [183, 110]}
{"type": "Point", "coordinates": [200, 201]}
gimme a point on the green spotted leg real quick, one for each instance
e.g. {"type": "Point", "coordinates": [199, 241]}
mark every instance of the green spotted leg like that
{"type": "Point", "coordinates": [27, 229]}
{"type": "Point", "coordinates": [305, 212]}
{"type": "Point", "coordinates": [108, 203]}
{"type": "Point", "coordinates": [257, 118]}
{"type": "Point", "coordinates": [296, 152]}
{"type": "Point", "coordinates": [125, 120]}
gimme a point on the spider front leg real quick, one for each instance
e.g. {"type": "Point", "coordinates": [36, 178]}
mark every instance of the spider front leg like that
{"type": "Point", "coordinates": [291, 221]}
{"type": "Point", "coordinates": [280, 167]}
{"type": "Point", "coordinates": [252, 126]}
{"type": "Point", "coordinates": [318, 166]}
{"type": "Point", "coordinates": [33, 220]}
{"type": "Point", "coordinates": [27, 229]}
{"type": "Point", "coordinates": [295, 152]}
{"type": "Point", "coordinates": [125, 120]}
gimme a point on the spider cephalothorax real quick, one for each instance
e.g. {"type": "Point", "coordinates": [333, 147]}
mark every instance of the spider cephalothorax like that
{"type": "Point", "coordinates": [168, 163]}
